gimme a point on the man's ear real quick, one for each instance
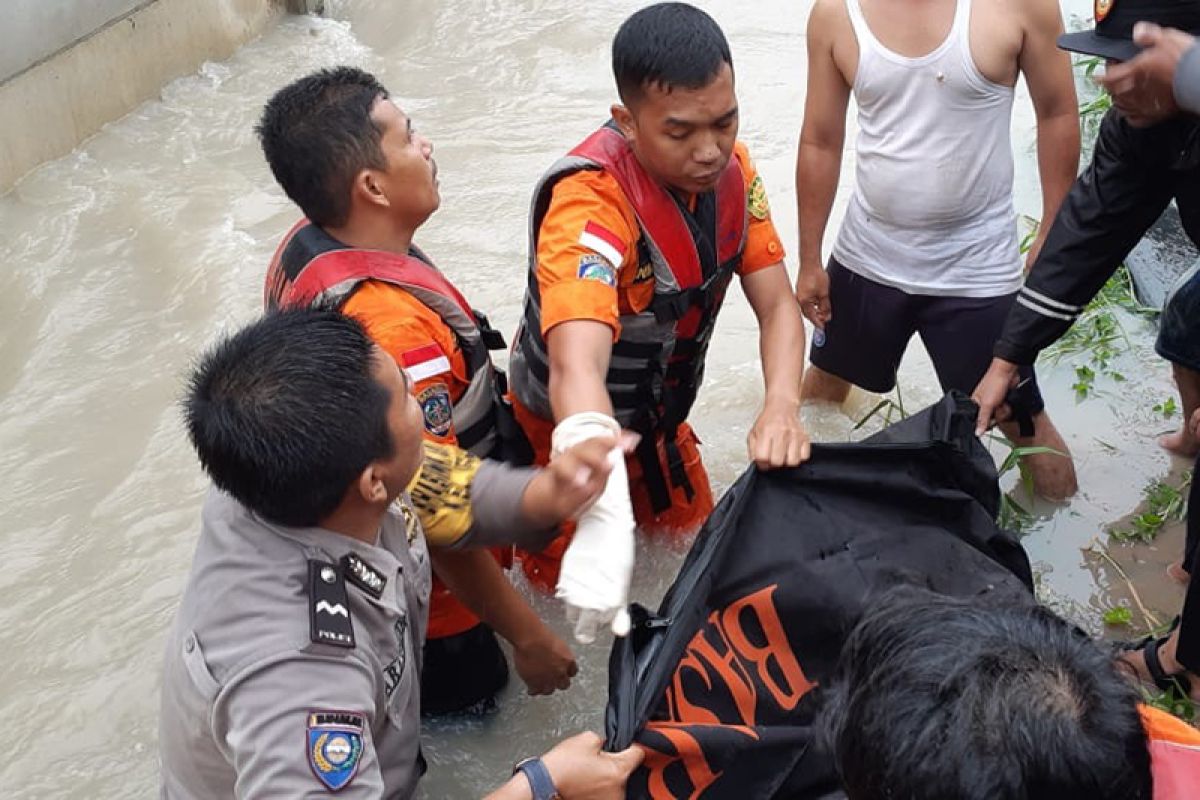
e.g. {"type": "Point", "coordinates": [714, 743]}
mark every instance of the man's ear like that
{"type": "Point", "coordinates": [369, 189]}
{"type": "Point", "coordinates": [624, 119]}
{"type": "Point", "coordinates": [370, 484]}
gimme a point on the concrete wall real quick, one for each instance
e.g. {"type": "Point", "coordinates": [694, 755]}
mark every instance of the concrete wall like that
{"type": "Point", "coordinates": [69, 66]}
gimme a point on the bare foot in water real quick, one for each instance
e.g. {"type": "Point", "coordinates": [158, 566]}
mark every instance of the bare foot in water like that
{"type": "Point", "coordinates": [1179, 574]}
{"type": "Point", "coordinates": [1180, 443]}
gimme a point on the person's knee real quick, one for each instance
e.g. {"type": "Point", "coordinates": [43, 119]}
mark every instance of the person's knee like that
{"type": "Point", "coordinates": [824, 386]}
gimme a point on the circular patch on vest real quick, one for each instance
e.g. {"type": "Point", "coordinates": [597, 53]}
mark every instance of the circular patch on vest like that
{"type": "Point", "coordinates": [436, 408]}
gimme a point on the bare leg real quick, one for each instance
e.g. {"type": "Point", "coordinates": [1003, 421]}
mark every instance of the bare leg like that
{"type": "Point", "coordinates": [1053, 474]}
{"type": "Point", "coordinates": [1182, 442]}
{"type": "Point", "coordinates": [823, 386]}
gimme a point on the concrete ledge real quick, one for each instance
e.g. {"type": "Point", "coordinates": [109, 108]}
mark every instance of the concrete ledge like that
{"type": "Point", "coordinates": [54, 105]}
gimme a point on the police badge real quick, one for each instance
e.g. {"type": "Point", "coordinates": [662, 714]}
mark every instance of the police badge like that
{"type": "Point", "coordinates": [335, 745]}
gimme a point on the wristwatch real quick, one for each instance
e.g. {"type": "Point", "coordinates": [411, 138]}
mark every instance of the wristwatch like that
{"type": "Point", "coordinates": [539, 778]}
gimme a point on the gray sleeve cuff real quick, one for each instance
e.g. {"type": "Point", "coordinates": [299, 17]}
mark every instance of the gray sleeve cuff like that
{"type": "Point", "coordinates": [1187, 80]}
{"type": "Point", "coordinates": [496, 494]}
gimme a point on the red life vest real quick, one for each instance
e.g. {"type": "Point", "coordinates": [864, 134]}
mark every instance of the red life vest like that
{"type": "Point", "coordinates": [311, 268]}
{"type": "Point", "coordinates": [657, 364]}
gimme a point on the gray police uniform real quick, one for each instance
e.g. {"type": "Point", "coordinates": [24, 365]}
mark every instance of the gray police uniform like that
{"type": "Point", "coordinates": [293, 666]}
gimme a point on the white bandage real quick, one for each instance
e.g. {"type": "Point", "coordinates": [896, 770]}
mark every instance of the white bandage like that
{"type": "Point", "coordinates": [598, 564]}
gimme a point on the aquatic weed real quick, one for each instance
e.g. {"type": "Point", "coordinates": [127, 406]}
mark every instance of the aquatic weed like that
{"type": "Point", "coordinates": [1164, 503]}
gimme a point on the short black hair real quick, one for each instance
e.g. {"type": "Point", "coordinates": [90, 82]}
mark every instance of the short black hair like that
{"type": "Point", "coordinates": [669, 45]}
{"type": "Point", "coordinates": [285, 414]}
{"type": "Point", "coordinates": [317, 134]}
{"type": "Point", "coordinates": [944, 699]}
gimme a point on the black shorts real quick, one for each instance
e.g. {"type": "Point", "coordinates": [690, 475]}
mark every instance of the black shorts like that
{"type": "Point", "coordinates": [872, 324]}
{"type": "Point", "coordinates": [463, 673]}
{"type": "Point", "coordinates": [1179, 326]}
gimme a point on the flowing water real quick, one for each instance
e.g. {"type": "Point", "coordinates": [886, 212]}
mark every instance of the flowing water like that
{"type": "Point", "coordinates": [129, 255]}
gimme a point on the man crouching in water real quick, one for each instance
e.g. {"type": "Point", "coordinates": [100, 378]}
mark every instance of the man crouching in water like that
{"type": "Point", "coordinates": [366, 181]}
{"type": "Point", "coordinates": [293, 666]}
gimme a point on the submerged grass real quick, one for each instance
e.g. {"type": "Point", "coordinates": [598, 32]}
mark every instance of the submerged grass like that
{"type": "Point", "coordinates": [1163, 503]}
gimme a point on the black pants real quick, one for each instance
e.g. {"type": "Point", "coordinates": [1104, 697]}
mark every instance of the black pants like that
{"type": "Point", "coordinates": [462, 673]}
{"type": "Point", "coordinates": [1188, 652]}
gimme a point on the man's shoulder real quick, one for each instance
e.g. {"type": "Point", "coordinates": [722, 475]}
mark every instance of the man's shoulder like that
{"type": "Point", "coordinates": [241, 564]}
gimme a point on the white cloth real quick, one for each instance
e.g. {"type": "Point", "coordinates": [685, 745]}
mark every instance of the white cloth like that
{"type": "Point", "coordinates": [932, 210]}
{"type": "Point", "coordinates": [598, 564]}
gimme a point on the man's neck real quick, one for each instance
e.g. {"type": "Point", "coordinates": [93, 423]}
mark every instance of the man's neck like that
{"type": "Point", "coordinates": [373, 236]}
{"type": "Point", "coordinates": [361, 522]}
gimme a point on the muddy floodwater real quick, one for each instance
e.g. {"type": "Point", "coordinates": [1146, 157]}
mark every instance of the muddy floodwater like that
{"type": "Point", "coordinates": [125, 258]}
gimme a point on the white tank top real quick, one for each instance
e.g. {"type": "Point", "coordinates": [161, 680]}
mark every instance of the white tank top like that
{"type": "Point", "coordinates": [932, 210]}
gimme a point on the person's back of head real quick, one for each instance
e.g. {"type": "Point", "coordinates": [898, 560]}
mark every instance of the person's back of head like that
{"type": "Point", "coordinates": [943, 699]}
{"type": "Point", "coordinates": [669, 45]}
{"type": "Point", "coordinates": [286, 413]}
{"type": "Point", "coordinates": [317, 135]}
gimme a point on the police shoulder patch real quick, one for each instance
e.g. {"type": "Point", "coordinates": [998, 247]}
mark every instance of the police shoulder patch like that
{"type": "Point", "coordinates": [437, 409]}
{"type": "Point", "coordinates": [756, 199]}
{"type": "Point", "coordinates": [335, 746]}
{"type": "Point", "coordinates": [594, 267]}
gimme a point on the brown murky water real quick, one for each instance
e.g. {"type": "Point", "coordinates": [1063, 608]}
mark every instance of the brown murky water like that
{"type": "Point", "coordinates": [126, 257]}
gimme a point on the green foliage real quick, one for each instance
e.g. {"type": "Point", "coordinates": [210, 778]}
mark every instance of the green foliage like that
{"type": "Point", "coordinates": [1163, 503]}
{"type": "Point", "coordinates": [1167, 408]}
{"type": "Point", "coordinates": [1173, 701]}
{"type": "Point", "coordinates": [1098, 335]}
{"type": "Point", "coordinates": [1118, 615]}
{"type": "Point", "coordinates": [1013, 515]}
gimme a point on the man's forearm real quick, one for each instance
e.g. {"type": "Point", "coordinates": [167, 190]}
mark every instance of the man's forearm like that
{"type": "Point", "coordinates": [477, 580]}
{"type": "Point", "coordinates": [781, 345]}
{"type": "Point", "coordinates": [817, 171]}
{"type": "Point", "coordinates": [1058, 160]}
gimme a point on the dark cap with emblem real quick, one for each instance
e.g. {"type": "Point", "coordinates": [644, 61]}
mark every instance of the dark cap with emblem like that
{"type": "Point", "coordinates": [1112, 37]}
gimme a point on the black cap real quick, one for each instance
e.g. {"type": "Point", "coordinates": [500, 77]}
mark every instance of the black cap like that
{"type": "Point", "coordinates": [1113, 35]}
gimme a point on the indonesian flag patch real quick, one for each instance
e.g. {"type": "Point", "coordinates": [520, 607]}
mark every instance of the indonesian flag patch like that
{"type": "Point", "coordinates": [424, 362]}
{"type": "Point", "coordinates": [604, 242]}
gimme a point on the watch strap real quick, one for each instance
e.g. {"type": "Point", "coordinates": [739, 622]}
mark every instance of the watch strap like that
{"type": "Point", "coordinates": [539, 779]}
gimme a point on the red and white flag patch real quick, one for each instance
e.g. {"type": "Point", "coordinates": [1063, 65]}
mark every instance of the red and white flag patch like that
{"type": "Point", "coordinates": [604, 242]}
{"type": "Point", "coordinates": [424, 362]}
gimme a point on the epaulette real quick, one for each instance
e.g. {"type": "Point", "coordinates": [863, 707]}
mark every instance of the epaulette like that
{"type": "Point", "coordinates": [363, 575]}
{"type": "Point", "coordinates": [328, 606]}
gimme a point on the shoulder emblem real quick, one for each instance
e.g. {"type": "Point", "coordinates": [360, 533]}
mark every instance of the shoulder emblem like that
{"type": "Point", "coordinates": [593, 267]}
{"type": "Point", "coordinates": [436, 408]}
{"type": "Point", "coordinates": [335, 746]}
{"type": "Point", "coordinates": [424, 362]}
{"type": "Point", "coordinates": [756, 199]}
{"type": "Point", "coordinates": [328, 606]}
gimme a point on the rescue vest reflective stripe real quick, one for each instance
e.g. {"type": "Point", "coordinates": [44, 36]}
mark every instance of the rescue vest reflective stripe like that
{"type": "Point", "coordinates": [657, 363]}
{"type": "Point", "coordinates": [311, 268]}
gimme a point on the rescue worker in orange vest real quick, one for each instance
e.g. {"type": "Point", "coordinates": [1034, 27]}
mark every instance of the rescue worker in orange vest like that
{"type": "Point", "coordinates": [348, 156]}
{"type": "Point", "coordinates": [634, 239]}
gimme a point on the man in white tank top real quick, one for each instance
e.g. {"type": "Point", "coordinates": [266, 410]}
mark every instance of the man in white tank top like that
{"type": "Point", "coordinates": [929, 243]}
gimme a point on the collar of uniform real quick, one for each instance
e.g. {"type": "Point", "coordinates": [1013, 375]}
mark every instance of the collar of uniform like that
{"type": "Point", "coordinates": [334, 546]}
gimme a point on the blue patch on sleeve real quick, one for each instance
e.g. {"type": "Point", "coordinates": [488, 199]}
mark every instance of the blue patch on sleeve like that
{"type": "Point", "coordinates": [597, 268]}
{"type": "Point", "coordinates": [335, 746]}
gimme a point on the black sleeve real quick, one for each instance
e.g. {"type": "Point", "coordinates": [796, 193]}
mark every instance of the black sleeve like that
{"type": "Point", "coordinates": [1110, 207]}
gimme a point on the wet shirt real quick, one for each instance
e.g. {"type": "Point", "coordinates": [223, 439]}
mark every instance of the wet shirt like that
{"type": "Point", "coordinates": [587, 255]}
{"type": "Point", "coordinates": [421, 344]}
{"type": "Point", "coordinates": [255, 703]}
